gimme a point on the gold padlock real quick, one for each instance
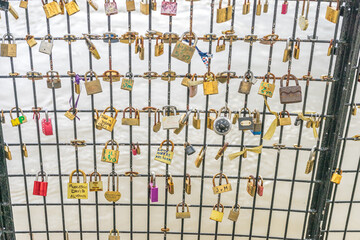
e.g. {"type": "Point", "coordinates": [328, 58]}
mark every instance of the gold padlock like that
{"type": "Point", "coordinates": [210, 119]}
{"type": "Point", "coordinates": [251, 186]}
{"type": "Point", "coordinates": [216, 215]}
{"type": "Point", "coordinates": [7, 152]}
{"type": "Point", "coordinates": [336, 177]}
{"type": "Point", "coordinates": [170, 184]}
{"type": "Point", "coordinates": [258, 8]}
{"type": "Point", "coordinates": [246, 7]}
{"type": "Point", "coordinates": [220, 48]}
{"type": "Point", "coordinates": [221, 188]}
{"type": "Point", "coordinates": [107, 122]}
{"type": "Point", "coordinates": [30, 40]}
{"type": "Point", "coordinates": [310, 163]}
{"type": "Point", "coordinates": [267, 89]}
{"type": "Point", "coordinates": [127, 82]}
{"type": "Point", "coordinates": [144, 7]}
{"type": "Point", "coordinates": [51, 9]}
{"type": "Point", "coordinates": [186, 79]}
{"type": "Point", "coordinates": [96, 185]}
{"type": "Point", "coordinates": [188, 184]}
{"type": "Point", "coordinates": [183, 122]}
{"type": "Point", "coordinates": [23, 4]}
{"type": "Point", "coordinates": [234, 213]}
{"type": "Point", "coordinates": [71, 7]}
{"type": "Point", "coordinates": [223, 14]}
{"type": "Point", "coordinates": [131, 121]}
{"type": "Point", "coordinates": [182, 51]}
{"type": "Point", "coordinates": [94, 86]}
{"type": "Point", "coordinates": [182, 214]}
{"type": "Point", "coordinates": [210, 84]}
{"type": "Point", "coordinates": [287, 51]}
{"type": "Point", "coordinates": [159, 47]}
{"type": "Point", "coordinates": [111, 76]}
{"type": "Point", "coordinates": [141, 49]}
{"type": "Point", "coordinates": [200, 157]}
{"type": "Point", "coordinates": [130, 5]}
{"type": "Point", "coordinates": [284, 121]}
{"type": "Point", "coordinates": [221, 151]}
{"type": "Point", "coordinates": [332, 13]}
{"type": "Point", "coordinates": [157, 122]}
{"type": "Point", "coordinates": [331, 46]}
{"type": "Point", "coordinates": [196, 119]}
{"type": "Point", "coordinates": [24, 150]}
{"type": "Point", "coordinates": [266, 6]}
{"type": "Point", "coordinates": [110, 155]}
{"type": "Point", "coordinates": [13, 12]}
{"type": "Point", "coordinates": [297, 49]}
{"type": "Point", "coordinates": [113, 196]}
{"type": "Point", "coordinates": [93, 4]}
{"type": "Point", "coordinates": [114, 236]}
{"type": "Point", "coordinates": [8, 49]}
{"type": "Point", "coordinates": [70, 114]}
{"type": "Point", "coordinates": [77, 190]}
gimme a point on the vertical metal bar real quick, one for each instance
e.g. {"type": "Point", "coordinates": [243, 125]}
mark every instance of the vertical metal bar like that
{"type": "Point", "coordinates": [344, 75]}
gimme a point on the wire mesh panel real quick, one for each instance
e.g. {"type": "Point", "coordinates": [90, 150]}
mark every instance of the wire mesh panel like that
{"type": "Point", "coordinates": [237, 44]}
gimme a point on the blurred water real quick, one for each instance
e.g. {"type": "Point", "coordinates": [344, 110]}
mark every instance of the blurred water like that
{"type": "Point", "coordinates": [260, 53]}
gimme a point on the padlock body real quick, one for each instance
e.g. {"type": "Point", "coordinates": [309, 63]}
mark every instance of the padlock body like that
{"type": "Point", "coordinates": [183, 52]}
{"type": "Point", "coordinates": [72, 7]}
{"type": "Point", "coordinates": [8, 50]}
{"type": "Point", "coordinates": [336, 178]}
{"type": "Point", "coordinates": [216, 216]}
{"type": "Point", "coordinates": [154, 193]}
{"type": "Point", "coordinates": [210, 87]}
{"type": "Point", "coordinates": [110, 156]}
{"type": "Point", "coordinates": [95, 186]}
{"type": "Point", "coordinates": [111, 8]}
{"type": "Point", "coordinates": [246, 123]}
{"type": "Point", "coordinates": [144, 8]}
{"type": "Point", "coordinates": [47, 127]}
{"type": "Point", "coordinates": [222, 188]}
{"type": "Point", "coordinates": [168, 8]}
{"type": "Point", "coordinates": [43, 189]}
{"type": "Point", "coordinates": [106, 122]}
{"type": "Point", "coordinates": [46, 47]}
{"type": "Point", "coordinates": [233, 215]}
{"type": "Point", "coordinates": [130, 5]}
{"type": "Point", "coordinates": [189, 150]}
{"type": "Point", "coordinates": [332, 14]}
{"type": "Point", "coordinates": [284, 8]}
{"type": "Point", "coordinates": [245, 87]}
{"type": "Point", "coordinates": [266, 89]}
{"type": "Point", "coordinates": [180, 215]}
{"type": "Point", "coordinates": [77, 191]}
{"type": "Point", "coordinates": [36, 190]}
{"type": "Point", "coordinates": [93, 87]}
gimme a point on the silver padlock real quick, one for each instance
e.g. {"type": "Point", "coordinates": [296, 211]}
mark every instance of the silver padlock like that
{"type": "Point", "coordinates": [189, 149]}
{"type": "Point", "coordinates": [46, 45]}
{"type": "Point", "coordinates": [53, 79]}
{"type": "Point", "coordinates": [171, 121]}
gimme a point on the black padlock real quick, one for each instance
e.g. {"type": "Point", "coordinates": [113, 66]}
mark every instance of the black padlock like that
{"type": "Point", "coordinates": [189, 149]}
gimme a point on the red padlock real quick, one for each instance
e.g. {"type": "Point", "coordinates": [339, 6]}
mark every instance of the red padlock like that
{"type": "Point", "coordinates": [133, 149]}
{"type": "Point", "coordinates": [260, 186]}
{"type": "Point", "coordinates": [46, 125]}
{"type": "Point", "coordinates": [37, 184]}
{"type": "Point", "coordinates": [284, 7]}
{"type": "Point", "coordinates": [44, 186]}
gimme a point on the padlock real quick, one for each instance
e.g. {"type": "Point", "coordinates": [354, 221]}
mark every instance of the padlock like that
{"type": "Point", "coordinates": [183, 51]}
{"type": "Point", "coordinates": [186, 80]}
{"type": "Point", "coordinates": [210, 84]}
{"type": "Point", "coordinates": [332, 13]}
{"type": "Point", "coordinates": [234, 213]}
{"type": "Point", "coordinates": [71, 7]}
{"type": "Point", "coordinates": [94, 86]}
{"type": "Point", "coordinates": [40, 187]}
{"type": "Point", "coordinates": [331, 47]}
{"type": "Point", "coordinates": [144, 7]}
{"type": "Point", "coordinates": [77, 190]}
{"type": "Point", "coordinates": [298, 121]}
{"type": "Point", "coordinates": [93, 4]}
{"type": "Point", "coordinates": [216, 215]}
{"type": "Point", "coordinates": [189, 149]}
{"type": "Point", "coordinates": [290, 94]}
{"type": "Point", "coordinates": [53, 79]}
{"type": "Point", "coordinates": [183, 122]}
{"type": "Point", "coordinates": [210, 119]}
{"type": "Point", "coordinates": [260, 186]}
{"type": "Point", "coordinates": [336, 177]}
{"type": "Point", "coordinates": [251, 185]}
{"type": "Point", "coordinates": [133, 149]}
{"type": "Point", "coordinates": [8, 49]}
{"type": "Point", "coordinates": [110, 155]}
{"type": "Point", "coordinates": [154, 190]}
{"type": "Point", "coordinates": [246, 7]}
{"type": "Point", "coordinates": [110, 7]}
{"type": "Point", "coordinates": [96, 119]}
{"type": "Point", "coordinates": [131, 121]}
{"type": "Point", "coordinates": [157, 122]}
{"type": "Point", "coordinates": [221, 188]}
{"type": "Point", "coordinates": [30, 40]}
{"type": "Point", "coordinates": [169, 8]}
{"type": "Point", "coordinates": [283, 121]}
{"type": "Point", "coordinates": [245, 123]}
{"type": "Point", "coordinates": [287, 51]}
{"type": "Point", "coordinates": [222, 124]}
{"type": "Point", "coordinates": [107, 122]}
{"type": "Point", "coordinates": [24, 150]}
{"type": "Point", "coordinates": [235, 118]}
{"type": "Point", "coordinates": [163, 155]}
{"type": "Point", "coordinates": [188, 184]}
{"type": "Point", "coordinates": [168, 76]}
{"type": "Point", "coordinates": [170, 121]}
{"type": "Point", "coordinates": [246, 83]}
{"type": "Point", "coordinates": [159, 47]}
{"type": "Point", "coordinates": [170, 184]}
{"type": "Point", "coordinates": [258, 8]}
{"type": "Point", "coordinates": [127, 83]}
{"type": "Point", "coordinates": [51, 9]}
{"type": "Point", "coordinates": [284, 7]}
{"type": "Point", "coordinates": [223, 14]}
{"type": "Point", "coordinates": [113, 196]}
{"type": "Point", "coordinates": [220, 48]}
{"type": "Point", "coordinates": [113, 235]}
{"type": "Point", "coordinates": [224, 77]}
{"type": "Point", "coordinates": [193, 88]}
{"type": "Point", "coordinates": [141, 49]}
{"type": "Point", "coordinates": [297, 49]}
{"type": "Point", "coordinates": [111, 76]}
{"type": "Point", "coordinates": [303, 19]}
{"type": "Point", "coordinates": [23, 4]}
{"type": "Point", "coordinates": [138, 148]}
{"type": "Point", "coordinates": [71, 113]}
{"type": "Point", "coordinates": [311, 161]}
{"type": "Point", "coordinates": [200, 157]}
{"type": "Point", "coordinates": [221, 151]}
{"type": "Point", "coordinates": [153, 5]}
{"type": "Point", "coordinates": [257, 123]}
{"type": "Point", "coordinates": [19, 120]}
{"type": "Point", "coordinates": [62, 6]}
{"type": "Point", "coordinates": [92, 49]}
{"type": "Point", "coordinates": [96, 185]}
{"type": "Point", "coordinates": [183, 214]}
{"type": "Point", "coordinates": [267, 89]}
{"type": "Point", "coordinates": [130, 5]}
{"type": "Point", "coordinates": [7, 152]}
{"type": "Point", "coordinates": [13, 12]}
{"type": "Point", "coordinates": [46, 45]}
{"type": "Point", "coordinates": [196, 119]}
{"type": "Point", "coordinates": [266, 6]}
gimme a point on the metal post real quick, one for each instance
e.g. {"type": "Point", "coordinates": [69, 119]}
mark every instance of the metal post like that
{"type": "Point", "coordinates": [341, 90]}
{"type": "Point", "coordinates": [6, 216]}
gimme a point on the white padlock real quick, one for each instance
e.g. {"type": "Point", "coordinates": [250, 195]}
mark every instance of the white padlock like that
{"type": "Point", "coordinates": [46, 45]}
{"type": "Point", "coordinates": [171, 121]}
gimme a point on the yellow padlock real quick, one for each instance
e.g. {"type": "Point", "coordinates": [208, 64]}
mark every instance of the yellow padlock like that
{"type": "Point", "coordinates": [210, 84]}
{"type": "Point", "coordinates": [216, 215]}
{"type": "Point", "coordinates": [336, 177]}
{"type": "Point", "coordinates": [71, 7]}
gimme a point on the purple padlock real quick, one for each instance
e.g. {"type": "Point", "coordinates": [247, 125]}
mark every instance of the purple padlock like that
{"type": "Point", "coordinates": [46, 125]}
{"type": "Point", "coordinates": [154, 191]}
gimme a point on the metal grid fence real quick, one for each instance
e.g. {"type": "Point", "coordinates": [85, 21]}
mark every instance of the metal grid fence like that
{"type": "Point", "coordinates": [320, 195]}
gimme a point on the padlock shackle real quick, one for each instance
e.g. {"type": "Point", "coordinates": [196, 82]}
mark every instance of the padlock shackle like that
{"type": "Point", "coordinates": [153, 179]}
{"type": "Point", "coordinates": [246, 110]}
{"type": "Point", "coordinates": [337, 6]}
{"type": "Point", "coordinates": [22, 113]}
{"type": "Point", "coordinates": [212, 111]}
{"type": "Point", "coordinates": [110, 73]}
{"type": "Point", "coordinates": [95, 174]}
{"type": "Point", "coordinates": [218, 205]}
{"type": "Point", "coordinates": [186, 117]}
{"type": "Point", "coordinates": [236, 207]}
{"type": "Point", "coordinates": [169, 141]}
{"type": "Point", "coordinates": [9, 38]}
{"type": "Point", "coordinates": [113, 174]}
{"type": "Point", "coordinates": [285, 112]}
{"type": "Point", "coordinates": [92, 73]}
{"type": "Point", "coordinates": [42, 174]}
{"type": "Point", "coordinates": [206, 77]}
{"type": "Point", "coordinates": [188, 33]}
{"type": "Point", "coordinates": [170, 109]}
{"type": "Point", "coordinates": [253, 179]}
{"type": "Point", "coordinates": [72, 110]}
{"type": "Point", "coordinates": [267, 77]}
{"type": "Point", "coordinates": [116, 111]}
{"type": "Point", "coordinates": [202, 151]}
{"type": "Point", "coordinates": [112, 141]}
{"type": "Point", "coordinates": [183, 206]}
{"type": "Point", "coordinates": [249, 77]}
{"type": "Point", "coordinates": [339, 171]}
{"type": "Point", "coordinates": [256, 114]}
{"type": "Point", "coordinates": [219, 39]}
{"type": "Point", "coordinates": [261, 180]}
{"type": "Point", "coordinates": [48, 36]}
{"type": "Point", "coordinates": [97, 113]}
{"type": "Point", "coordinates": [79, 171]}
{"type": "Point", "coordinates": [288, 77]}
{"type": "Point", "coordinates": [228, 110]}
{"type": "Point", "coordinates": [196, 114]}
{"type": "Point", "coordinates": [131, 109]}
{"type": "Point", "coordinates": [220, 174]}
{"type": "Point", "coordinates": [116, 234]}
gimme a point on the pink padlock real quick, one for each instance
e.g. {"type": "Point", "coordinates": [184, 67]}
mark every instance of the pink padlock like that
{"type": "Point", "coordinates": [46, 125]}
{"type": "Point", "coordinates": [169, 8]}
{"type": "Point", "coordinates": [110, 7]}
{"type": "Point", "coordinates": [154, 191]}
{"type": "Point", "coordinates": [260, 186]}
{"type": "Point", "coordinates": [133, 150]}
{"type": "Point", "coordinates": [40, 187]}
{"type": "Point", "coordinates": [284, 7]}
